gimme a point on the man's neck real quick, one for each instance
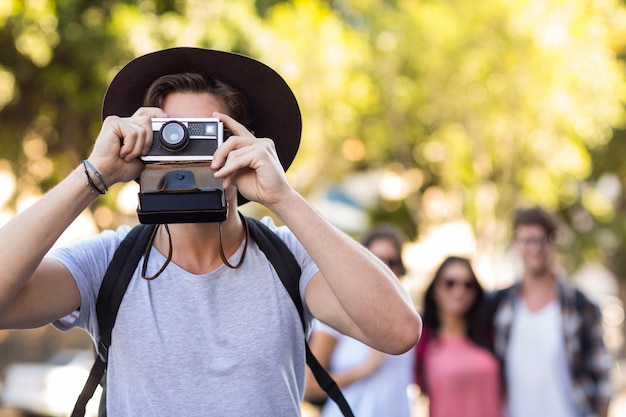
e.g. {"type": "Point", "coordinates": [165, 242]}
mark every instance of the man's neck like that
{"type": "Point", "coordinates": [538, 290]}
{"type": "Point", "coordinates": [196, 246]}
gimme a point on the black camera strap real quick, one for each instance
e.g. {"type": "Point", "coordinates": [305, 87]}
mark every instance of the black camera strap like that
{"type": "Point", "coordinates": [120, 272]}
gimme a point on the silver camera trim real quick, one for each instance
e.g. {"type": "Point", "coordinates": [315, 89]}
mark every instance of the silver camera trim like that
{"type": "Point", "coordinates": [158, 122]}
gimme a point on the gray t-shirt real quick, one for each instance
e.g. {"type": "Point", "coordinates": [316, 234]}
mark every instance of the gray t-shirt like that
{"type": "Point", "coordinates": [226, 343]}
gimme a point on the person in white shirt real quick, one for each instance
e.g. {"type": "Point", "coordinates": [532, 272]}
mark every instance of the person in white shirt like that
{"type": "Point", "coordinates": [549, 334]}
{"type": "Point", "coordinates": [373, 383]}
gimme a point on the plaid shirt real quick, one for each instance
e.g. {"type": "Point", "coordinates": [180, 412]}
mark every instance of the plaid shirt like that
{"type": "Point", "coordinates": [588, 360]}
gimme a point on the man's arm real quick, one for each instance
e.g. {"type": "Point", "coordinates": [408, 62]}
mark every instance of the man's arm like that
{"type": "Point", "coordinates": [355, 293]}
{"type": "Point", "coordinates": [35, 291]}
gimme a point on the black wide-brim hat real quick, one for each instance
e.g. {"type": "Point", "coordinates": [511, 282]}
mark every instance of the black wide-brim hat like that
{"type": "Point", "coordinates": [275, 111]}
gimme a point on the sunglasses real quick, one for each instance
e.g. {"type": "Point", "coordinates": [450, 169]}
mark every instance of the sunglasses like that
{"type": "Point", "coordinates": [450, 283]}
{"type": "Point", "coordinates": [392, 262]}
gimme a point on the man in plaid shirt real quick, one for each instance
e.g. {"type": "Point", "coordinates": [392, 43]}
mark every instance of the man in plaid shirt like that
{"type": "Point", "coordinates": [548, 334]}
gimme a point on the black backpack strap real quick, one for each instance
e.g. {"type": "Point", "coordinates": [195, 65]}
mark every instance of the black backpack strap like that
{"type": "Point", "coordinates": [289, 271]}
{"type": "Point", "coordinates": [116, 280]}
{"type": "Point", "coordinates": [112, 289]}
{"type": "Point", "coordinates": [95, 375]}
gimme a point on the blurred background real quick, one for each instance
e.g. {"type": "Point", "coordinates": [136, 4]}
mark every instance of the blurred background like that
{"type": "Point", "coordinates": [440, 117]}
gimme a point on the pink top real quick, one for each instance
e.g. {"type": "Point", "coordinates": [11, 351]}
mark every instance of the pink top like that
{"type": "Point", "coordinates": [463, 379]}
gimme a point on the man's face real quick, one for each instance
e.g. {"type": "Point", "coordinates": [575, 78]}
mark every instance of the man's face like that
{"type": "Point", "coordinates": [534, 248]}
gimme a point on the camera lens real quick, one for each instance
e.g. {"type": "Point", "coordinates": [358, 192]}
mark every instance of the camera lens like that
{"type": "Point", "coordinates": [174, 135]}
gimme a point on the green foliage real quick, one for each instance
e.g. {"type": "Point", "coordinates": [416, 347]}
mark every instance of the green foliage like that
{"type": "Point", "coordinates": [482, 105]}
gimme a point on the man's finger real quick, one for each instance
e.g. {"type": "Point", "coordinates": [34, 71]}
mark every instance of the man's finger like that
{"type": "Point", "coordinates": [233, 125]}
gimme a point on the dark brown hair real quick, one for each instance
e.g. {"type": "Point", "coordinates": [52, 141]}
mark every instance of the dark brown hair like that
{"type": "Point", "coordinates": [476, 317]}
{"type": "Point", "coordinates": [234, 100]}
{"type": "Point", "coordinates": [536, 216]}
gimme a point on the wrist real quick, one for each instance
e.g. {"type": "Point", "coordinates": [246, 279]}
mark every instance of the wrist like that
{"type": "Point", "coordinates": [92, 178]}
{"type": "Point", "coordinates": [90, 171]}
{"type": "Point", "coordinates": [79, 176]}
{"type": "Point", "coordinates": [286, 203]}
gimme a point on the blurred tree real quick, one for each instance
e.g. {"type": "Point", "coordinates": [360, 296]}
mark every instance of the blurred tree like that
{"type": "Point", "coordinates": [597, 220]}
{"type": "Point", "coordinates": [55, 61]}
{"type": "Point", "coordinates": [466, 108]}
{"type": "Point", "coordinates": [499, 103]}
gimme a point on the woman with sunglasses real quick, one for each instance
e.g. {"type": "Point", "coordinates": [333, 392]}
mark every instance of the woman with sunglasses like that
{"type": "Point", "coordinates": [454, 365]}
{"type": "Point", "coordinates": [374, 383]}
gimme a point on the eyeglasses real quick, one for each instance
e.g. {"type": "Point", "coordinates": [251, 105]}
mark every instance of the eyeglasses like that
{"type": "Point", "coordinates": [450, 283]}
{"type": "Point", "coordinates": [533, 241]}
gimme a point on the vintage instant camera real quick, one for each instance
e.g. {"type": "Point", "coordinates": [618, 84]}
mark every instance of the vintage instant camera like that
{"type": "Point", "coordinates": [178, 185]}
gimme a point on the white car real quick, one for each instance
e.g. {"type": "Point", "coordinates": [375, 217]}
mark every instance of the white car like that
{"type": "Point", "coordinates": [49, 388]}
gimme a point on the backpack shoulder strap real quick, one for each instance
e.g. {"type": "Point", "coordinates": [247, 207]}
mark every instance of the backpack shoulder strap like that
{"type": "Point", "coordinates": [281, 258]}
{"type": "Point", "coordinates": [289, 271]}
{"type": "Point", "coordinates": [116, 280]}
{"type": "Point", "coordinates": [112, 289]}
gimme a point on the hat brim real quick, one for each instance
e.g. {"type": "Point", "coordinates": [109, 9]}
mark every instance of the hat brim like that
{"type": "Point", "coordinates": [275, 111]}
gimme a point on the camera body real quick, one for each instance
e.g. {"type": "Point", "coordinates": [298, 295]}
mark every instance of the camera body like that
{"type": "Point", "coordinates": [178, 185]}
{"type": "Point", "coordinates": [185, 139]}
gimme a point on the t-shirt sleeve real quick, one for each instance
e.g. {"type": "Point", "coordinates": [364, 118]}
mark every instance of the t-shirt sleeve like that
{"type": "Point", "coordinates": [87, 261]}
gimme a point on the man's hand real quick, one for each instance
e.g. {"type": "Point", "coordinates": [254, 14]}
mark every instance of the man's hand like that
{"type": "Point", "coordinates": [250, 164]}
{"type": "Point", "coordinates": [122, 140]}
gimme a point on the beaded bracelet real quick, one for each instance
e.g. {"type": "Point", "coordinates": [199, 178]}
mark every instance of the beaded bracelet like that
{"type": "Point", "coordinates": [92, 184]}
